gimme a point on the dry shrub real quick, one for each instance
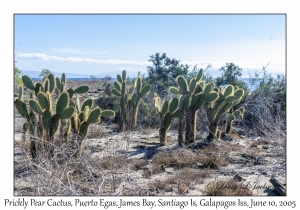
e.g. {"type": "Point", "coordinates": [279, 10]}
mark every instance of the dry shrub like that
{"type": "Point", "coordinates": [96, 131]}
{"type": "Point", "coordinates": [213, 157]}
{"type": "Point", "coordinates": [176, 158]}
{"type": "Point", "coordinates": [138, 164]}
{"type": "Point", "coordinates": [146, 131]}
{"type": "Point", "coordinates": [264, 117]}
{"type": "Point", "coordinates": [259, 142]}
{"type": "Point", "coordinates": [113, 162]}
{"type": "Point", "coordinates": [182, 180]}
{"type": "Point", "coordinates": [227, 188]}
{"type": "Point", "coordinates": [164, 184]}
{"type": "Point", "coordinates": [213, 161]}
{"type": "Point", "coordinates": [155, 168]}
{"type": "Point", "coordinates": [193, 175]}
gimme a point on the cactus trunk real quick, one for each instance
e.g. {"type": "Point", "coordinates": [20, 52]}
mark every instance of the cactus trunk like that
{"type": "Point", "coordinates": [33, 148]}
{"type": "Point", "coordinates": [163, 136]}
{"type": "Point", "coordinates": [190, 129]}
{"type": "Point", "coordinates": [134, 116]}
{"type": "Point", "coordinates": [194, 121]}
{"type": "Point", "coordinates": [228, 126]}
{"type": "Point", "coordinates": [181, 142]}
{"type": "Point", "coordinates": [212, 132]}
{"type": "Point", "coordinates": [122, 116]}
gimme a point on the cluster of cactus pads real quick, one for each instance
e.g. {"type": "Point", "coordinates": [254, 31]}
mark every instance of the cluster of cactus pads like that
{"type": "Point", "coordinates": [130, 99]}
{"type": "Point", "coordinates": [218, 110]}
{"type": "Point", "coordinates": [64, 114]}
{"type": "Point", "coordinates": [219, 103]}
{"type": "Point", "coordinates": [193, 94]}
{"type": "Point", "coordinates": [166, 111]}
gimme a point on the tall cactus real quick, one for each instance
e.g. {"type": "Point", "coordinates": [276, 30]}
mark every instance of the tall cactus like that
{"type": "Point", "coordinates": [83, 117]}
{"type": "Point", "coordinates": [65, 125]}
{"type": "Point", "coordinates": [50, 121]}
{"type": "Point", "coordinates": [234, 112]}
{"type": "Point", "coordinates": [165, 112]}
{"type": "Point", "coordinates": [120, 91]}
{"type": "Point", "coordinates": [218, 110]}
{"type": "Point", "coordinates": [139, 91]}
{"type": "Point", "coordinates": [129, 99]}
{"type": "Point", "coordinates": [193, 95]}
{"type": "Point", "coordinates": [30, 123]}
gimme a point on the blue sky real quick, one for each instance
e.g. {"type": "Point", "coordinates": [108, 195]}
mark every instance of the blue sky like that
{"type": "Point", "coordinates": [107, 44]}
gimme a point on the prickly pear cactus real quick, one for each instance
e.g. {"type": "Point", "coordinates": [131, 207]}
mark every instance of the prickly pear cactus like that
{"type": "Point", "coordinates": [235, 112]}
{"type": "Point", "coordinates": [193, 95]}
{"type": "Point", "coordinates": [165, 111]}
{"type": "Point", "coordinates": [218, 110]}
{"type": "Point", "coordinates": [120, 91]}
{"type": "Point", "coordinates": [83, 117]}
{"type": "Point", "coordinates": [129, 99]}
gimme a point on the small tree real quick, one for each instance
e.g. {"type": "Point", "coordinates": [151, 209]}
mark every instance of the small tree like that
{"type": "Point", "coordinates": [164, 71]}
{"type": "Point", "coordinates": [44, 73]}
{"type": "Point", "coordinates": [17, 75]}
{"type": "Point", "coordinates": [230, 74]}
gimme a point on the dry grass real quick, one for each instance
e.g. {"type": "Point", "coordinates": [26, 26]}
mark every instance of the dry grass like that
{"type": "Point", "coordinates": [96, 132]}
{"type": "Point", "coordinates": [259, 142]}
{"type": "Point", "coordinates": [214, 156]}
{"type": "Point", "coordinates": [227, 188]}
{"type": "Point", "coordinates": [138, 164]}
{"type": "Point", "coordinates": [114, 162]}
{"type": "Point", "coordinates": [181, 181]}
{"type": "Point", "coordinates": [147, 131]}
{"type": "Point", "coordinates": [176, 158]}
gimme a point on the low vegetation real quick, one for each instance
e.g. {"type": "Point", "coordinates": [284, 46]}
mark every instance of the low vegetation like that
{"type": "Point", "coordinates": [169, 133]}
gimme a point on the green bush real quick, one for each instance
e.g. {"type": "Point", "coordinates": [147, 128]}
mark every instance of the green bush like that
{"type": "Point", "coordinates": [17, 75]}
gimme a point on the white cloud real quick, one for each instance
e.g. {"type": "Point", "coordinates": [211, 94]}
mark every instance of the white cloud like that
{"type": "Point", "coordinates": [43, 56]}
{"type": "Point", "coordinates": [273, 67]}
{"type": "Point", "coordinates": [76, 51]}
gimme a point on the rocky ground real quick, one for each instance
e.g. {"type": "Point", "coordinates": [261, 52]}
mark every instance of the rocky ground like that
{"type": "Point", "coordinates": [133, 163]}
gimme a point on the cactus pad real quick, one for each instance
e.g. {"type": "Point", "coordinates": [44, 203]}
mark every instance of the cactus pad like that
{"type": "Point", "coordinates": [108, 113]}
{"type": "Point", "coordinates": [182, 83]}
{"type": "Point", "coordinates": [66, 113]}
{"type": "Point", "coordinates": [27, 81]}
{"type": "Point", "coordinates": [62, 102]}
{"type": "Point", "coordinates": [228, 91]}
{"type": "Point", "coordinates": [174, 90]}
{"type": "Point", "coordinates": [173, 105]}
{"type": "Point", "coordinates": [94, 116]}
{"type": "Point", "coordinates": [115, 92]}
{"type": "Point", "coordinates": [145, 90]}
{"type": "Point", "coordinates": [35, 106]}
{"type": "Point", "coordinates": [212, 96]}
{"type": "Point", "coordinates": [81, 89]}
{"type": "Point", "coordinates": [167, 120]}
{"type": "Point", "coordinates": [21, 107]}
